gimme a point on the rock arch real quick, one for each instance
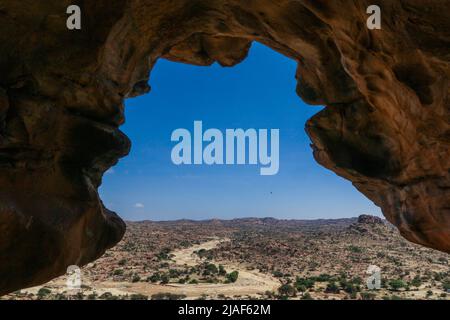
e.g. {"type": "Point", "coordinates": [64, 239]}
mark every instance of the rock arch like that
{"type": "Point", "coordinates": [386, 125]}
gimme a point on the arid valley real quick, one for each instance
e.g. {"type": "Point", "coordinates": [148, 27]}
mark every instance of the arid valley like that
{"type": "Point", "coordinates": [257, 259]}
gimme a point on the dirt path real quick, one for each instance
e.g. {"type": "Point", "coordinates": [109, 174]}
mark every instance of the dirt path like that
{"type": "Point", "coordinates": [250, 282]}
{"type": "Point", "coordinates": [187, 256]}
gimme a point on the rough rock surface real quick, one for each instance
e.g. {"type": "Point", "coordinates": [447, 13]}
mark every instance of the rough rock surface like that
{"type": "Point", "coordinates": [368, 219]}
{"type": "Point", "coordinates": [386, 125]}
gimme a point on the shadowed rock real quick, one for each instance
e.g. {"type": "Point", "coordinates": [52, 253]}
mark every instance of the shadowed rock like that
{"type": "Point", "coordinates": [386, 125]}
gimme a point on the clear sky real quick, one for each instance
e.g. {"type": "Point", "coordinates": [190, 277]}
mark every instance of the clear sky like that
{"type": "Point", "coordinates": [258, 93]}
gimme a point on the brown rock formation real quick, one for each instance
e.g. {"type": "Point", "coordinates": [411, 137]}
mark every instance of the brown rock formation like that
{"type": "Point", "coordinates": [386, 126]}
{"type": "Point", "coordinates": [368, 219]}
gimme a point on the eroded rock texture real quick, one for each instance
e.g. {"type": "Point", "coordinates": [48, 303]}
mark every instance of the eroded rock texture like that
{"type": "Point", "coordinates": [386, 125]}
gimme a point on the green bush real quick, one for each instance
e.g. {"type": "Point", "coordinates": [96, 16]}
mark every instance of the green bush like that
{"type": "Point", "coordinates": [397, 284]}
{"type": "Point", "coordinates": [165, 278]}
{"type": "Point", "coordinates": [164, 254]}
{"type": "Point", "coordinates": [222, 270]}
{"type": "Point", "coordinates": [138, 296]}
{"type": "Point", "coordinates": [92, 296]}
{"type": "Point", "coordinates": [168, 296]}
{"type": "Point", "coordinates": [118, 272]}
{"type": "Point", "coordinates": [108, 296]}
{"type": "Point", "coordinates": [368, 296]}
{"type": "Point", "coordinates": [307, 296]}
{"type": "Point", "coordinates": [355, 249]}
{"type": "Point", "coordinates": [173, 273]}
{"type": "Point", "coordinates": [122, 262]}
{"type": "Point", "coordinates": [154, 277]}
{"type": "Point", "coordinates": [304, 283]}
{"type": "Point", "coordinates": [446, 285]}
{"type": "Point", "coordinates": [211, 267]}
{"type": "Point", "coordinates": [286, 290]}
{"type": "Point", "coordinates": [43, 292]}
{"type": "Point", "coordinates": [416, 282]}
{"type": "Point", "coordinates": [277, 274]}
{"type": "Point", "coordinates": [332, 287]}
{"type": "Point", "coordinates": [233, 276]}
{"type": "Point", "coordinates": [136, 278]}
{"type": "Point", "coordinates": [349, 286]}
{"type": "Point", "coordinates": [61, 296]}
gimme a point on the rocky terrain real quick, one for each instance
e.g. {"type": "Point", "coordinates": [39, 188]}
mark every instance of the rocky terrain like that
{"type": "Point", "coordinates": [259, 259]}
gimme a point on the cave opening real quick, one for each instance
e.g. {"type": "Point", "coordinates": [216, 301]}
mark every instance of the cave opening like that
{"type": "Point", "coordinates": [61, 105]}
{"type": "Point", "coordinates": [259, 93]}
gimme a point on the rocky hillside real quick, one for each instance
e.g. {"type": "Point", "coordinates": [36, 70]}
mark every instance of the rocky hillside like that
{"type": "Point", "coordinates": [320, 259]}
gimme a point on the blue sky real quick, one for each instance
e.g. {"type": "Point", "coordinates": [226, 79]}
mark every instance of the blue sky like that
{"type": "Point", "coordinates": [258, 93]}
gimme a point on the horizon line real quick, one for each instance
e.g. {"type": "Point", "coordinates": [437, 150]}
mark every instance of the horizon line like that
{"type": "Point", "coordinates": [256, 218]}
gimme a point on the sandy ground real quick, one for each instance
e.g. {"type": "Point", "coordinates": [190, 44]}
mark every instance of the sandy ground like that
{"type": "Point", "coordinates": [250, 283]}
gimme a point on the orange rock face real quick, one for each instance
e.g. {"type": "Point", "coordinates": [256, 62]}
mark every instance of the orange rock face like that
{"type": "Point", "coordinates": [386, 125]}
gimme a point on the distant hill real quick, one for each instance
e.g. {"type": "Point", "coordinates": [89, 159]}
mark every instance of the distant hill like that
{"type": "Point", "coordinates": [270, 222]}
